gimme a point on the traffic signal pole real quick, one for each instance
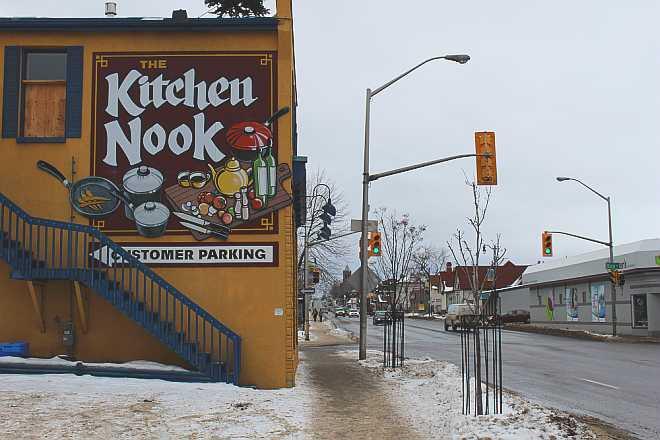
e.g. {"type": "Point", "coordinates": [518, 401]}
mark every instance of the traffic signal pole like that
{"type": "Point", "coordinates": [461, 59]}
{"type": "Point", "coordinates": [610, 244]}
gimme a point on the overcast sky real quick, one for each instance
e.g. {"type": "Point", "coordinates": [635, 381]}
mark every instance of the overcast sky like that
{"type": "Point", "coordinates": [570, 88]}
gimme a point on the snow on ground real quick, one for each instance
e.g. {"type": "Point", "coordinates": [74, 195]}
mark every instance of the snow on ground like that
{"type": "Point", "coordinates": [86, 407]}
{"type": "Point", "coordinates": [312, 336]}
{"type": "Point", "coordinates": [430, 394]}
{"type": "Point", "coordinates": [58, 361]}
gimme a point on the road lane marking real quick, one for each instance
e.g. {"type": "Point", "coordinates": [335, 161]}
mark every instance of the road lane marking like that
{"type": "Point", "coordinates": [599, 383]}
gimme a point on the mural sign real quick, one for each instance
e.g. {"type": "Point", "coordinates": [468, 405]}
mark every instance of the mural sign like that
{"type": "Point", "coordinates": [189, 140]}
{"type": "Point", "coordinates": [571, 304]}
{"type": "Point", "coordinates": [192, 254]}
{"type": "Point", "coordinates": [598, 302]}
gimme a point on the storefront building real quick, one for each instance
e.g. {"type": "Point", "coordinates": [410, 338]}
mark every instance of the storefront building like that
{"type": "Point", "coordinates": [170, 235]}
{"type": "Point", "coordinates": [576, 292]}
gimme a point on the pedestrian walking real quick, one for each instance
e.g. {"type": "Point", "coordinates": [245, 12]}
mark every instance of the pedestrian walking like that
{"type": "Point", "coordinates": [315, 314]}
{"type": "Point", "coordinates": [321, 315]}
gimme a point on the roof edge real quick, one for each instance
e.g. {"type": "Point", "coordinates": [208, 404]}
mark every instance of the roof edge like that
{"type": "Point", "coordinates": [137, 23]}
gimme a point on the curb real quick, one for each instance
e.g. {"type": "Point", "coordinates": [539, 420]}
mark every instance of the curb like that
{"type": "Point", "coordinates": [580, 334]}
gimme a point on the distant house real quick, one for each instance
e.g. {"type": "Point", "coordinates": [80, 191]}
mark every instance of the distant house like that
{"type": "Point", "coordinates": [350, 284]}
{"type": "Point", "coordinates": [457, 286]}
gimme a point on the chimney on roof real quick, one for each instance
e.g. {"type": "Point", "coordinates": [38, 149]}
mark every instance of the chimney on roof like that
{"type": "Point", "coordinates": [179, 15]}
{"type": "Point", "coordinates": [110, 9]}
{"type": "Point", "coordinates": [449, 266]}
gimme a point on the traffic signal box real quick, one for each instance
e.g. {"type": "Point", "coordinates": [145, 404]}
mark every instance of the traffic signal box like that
{"type": "Point", "coordinates": [486, 163]}
{"type": "Point", "coordinates": [616, 277]}
{"type": "Point", "coordinates": [316, 275]}
{"type": "Point", "coordinates": [374, 244]}
{"type": "Point", "coordinates": [546, 244]}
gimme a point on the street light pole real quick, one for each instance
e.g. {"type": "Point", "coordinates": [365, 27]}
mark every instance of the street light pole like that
{"type": "Point", "coordinates": [609, 223]}
{"type": "Point", "coordinates": [461, 59]}
{"type": "Point", "coordinates": [610, 243]}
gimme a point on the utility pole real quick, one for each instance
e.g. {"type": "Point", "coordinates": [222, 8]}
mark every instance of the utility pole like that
{"type": "Point", "coordinates": [610, 243]}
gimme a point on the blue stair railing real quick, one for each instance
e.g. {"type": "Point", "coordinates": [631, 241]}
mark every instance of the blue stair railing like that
{"type": "Point", "coordinates": [40, 249]}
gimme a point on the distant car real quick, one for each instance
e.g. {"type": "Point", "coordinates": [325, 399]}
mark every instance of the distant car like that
{"type": "Point", "coordinates": [353, 314]}
{"type": "Point", "coordinates": [340, 311]}
{"type": "Point", "coordinates": [381, 317]}
{"type": "Point", "coordinates": [454, 313]}
{"type": "Point", "coordinates": [516, 316]}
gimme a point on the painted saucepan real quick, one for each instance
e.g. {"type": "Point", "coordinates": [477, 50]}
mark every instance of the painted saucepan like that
{"type": "Point", "coordinates": [142, 184]}
{"type": "Point", "coordinates": [150, 217]}
{"type": "Point", "coordinates": [93, 197]}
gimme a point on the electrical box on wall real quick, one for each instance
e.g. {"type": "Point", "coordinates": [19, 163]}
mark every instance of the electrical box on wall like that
{"type": "Point", "coordinates": [67, 334]}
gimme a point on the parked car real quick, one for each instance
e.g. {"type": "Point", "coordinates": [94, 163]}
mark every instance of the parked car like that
{"type": "Point", "coordinates": [516, 316]}
{"type": "Point", "coordinates": [381, 317]}
{"type": "Point", "coordinates": [353, 313]}
{"type": "Point", "coordinates": [454, 313]}
{"type": "Point", "coordinates": [340, 311]}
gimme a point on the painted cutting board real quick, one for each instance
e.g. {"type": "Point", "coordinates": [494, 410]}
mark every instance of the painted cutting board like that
{"type": "Point", "coordinates": [177, 196]}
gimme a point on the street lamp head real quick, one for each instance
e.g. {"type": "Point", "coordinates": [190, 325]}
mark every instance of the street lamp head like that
{"type": "Point", "coordinates": [461, 59]}
{"type": "Point", "coordinates": [562, 179]}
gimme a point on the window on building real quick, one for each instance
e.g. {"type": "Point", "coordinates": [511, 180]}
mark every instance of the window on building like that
{"type": "Point", "coordinates": [639, 312]}
{"type": "Point", "coordinates": [43, 88]}
{"type": "Point", "coordinates": [561, 298]}
{"type": "Point", "coordinates": [42, 93]}
{"type": "Point", "coordinates": [584, 297]}
{"type": "Point", "coordinates": [540, 300]}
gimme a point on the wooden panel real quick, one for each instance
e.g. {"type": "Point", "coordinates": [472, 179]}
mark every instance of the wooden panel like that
{"type": "Point", "coordinates": [45, 103]}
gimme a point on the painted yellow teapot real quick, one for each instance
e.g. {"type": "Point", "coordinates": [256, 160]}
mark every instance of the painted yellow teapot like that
{"type": "Point", "coordinates": [231, 178]}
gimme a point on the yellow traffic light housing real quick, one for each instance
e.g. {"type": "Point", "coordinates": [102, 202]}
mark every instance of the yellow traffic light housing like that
{"type": "Point", "coordinates": [374, 244]}
{"type": "Point", "coordinates": [316, 275]}
{"type": "Point", "coordinates": [546, 244]}
{"type": "Point", "coordinates": [615, 277]}
{"type": "Point", "coordinates": [486, 163]}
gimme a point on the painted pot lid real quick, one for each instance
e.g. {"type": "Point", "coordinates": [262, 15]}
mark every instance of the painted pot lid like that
{"type": "Point", "coordinates": [249, 135]}
{"type": "Point", "coordinates": [143, 179]}
{"type": "Point", "coordinates": [151, 214]}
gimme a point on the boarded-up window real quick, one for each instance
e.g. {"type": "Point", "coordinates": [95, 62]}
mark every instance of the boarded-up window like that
{"type": "Point", "coordinates": [44, 95]}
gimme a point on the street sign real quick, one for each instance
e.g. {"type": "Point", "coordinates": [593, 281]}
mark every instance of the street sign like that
{"type": "Point", "coordinates": [356, 225]}
{"type": "Point", "coordinates": [484, 296]}
{"type": "Point", "coordinates": [307, 291]}
{"type": "Point", "coordinates": [614, 266]}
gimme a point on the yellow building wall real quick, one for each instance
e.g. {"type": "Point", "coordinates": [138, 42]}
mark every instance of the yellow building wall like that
{"type": "Point", "coordinates": [243, 298]}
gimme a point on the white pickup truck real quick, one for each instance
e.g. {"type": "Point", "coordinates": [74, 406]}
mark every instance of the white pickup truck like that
{"type": "Point", "coordinates": [454, 313]}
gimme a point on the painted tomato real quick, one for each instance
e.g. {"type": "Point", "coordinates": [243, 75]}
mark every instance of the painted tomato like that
{"type": "Point", "coordinates": [257, 203]}
{"type": "Point", "coordinates": [219, 202]}
{"type": "Point", "coordinates": [227, 218]}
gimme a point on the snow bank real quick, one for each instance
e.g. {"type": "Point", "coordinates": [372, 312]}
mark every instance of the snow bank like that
{"type": "Point", "coordinates": [58, 361]}
{"type": "Point", "coordinates": [430, 394]}
{"type": "Point", "coordinates": [84, 407]}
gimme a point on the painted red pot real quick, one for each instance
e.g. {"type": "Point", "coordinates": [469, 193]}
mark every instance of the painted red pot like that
{"type": "Point", "coordinates": [247, 139]}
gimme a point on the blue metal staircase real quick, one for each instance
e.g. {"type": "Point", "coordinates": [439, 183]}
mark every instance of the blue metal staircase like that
{"type": "Point", "coordinates": [42, 250]}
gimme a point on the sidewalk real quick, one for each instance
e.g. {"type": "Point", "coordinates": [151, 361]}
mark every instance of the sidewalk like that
{"type": "Point", "coordinates": [349, 400]}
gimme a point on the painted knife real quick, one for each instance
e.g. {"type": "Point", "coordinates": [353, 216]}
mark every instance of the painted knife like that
{"type": "Point", "coordinates": [201, 222]}
{"type": "Point", "coordinates": [204, 230]}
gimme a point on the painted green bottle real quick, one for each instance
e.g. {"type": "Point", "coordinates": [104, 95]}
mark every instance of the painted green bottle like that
{"type": "Point", "coordinates": [271, 166]}
{"type": "Point", "coordinates": [260, 176]}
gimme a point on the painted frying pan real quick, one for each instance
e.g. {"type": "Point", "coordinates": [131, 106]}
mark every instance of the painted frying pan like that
{"type": "Point", "coordinates": [92, 197]}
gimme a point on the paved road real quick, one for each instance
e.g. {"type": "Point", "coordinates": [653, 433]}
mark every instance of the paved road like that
{"type": "Point", "coordinates": [616, 382]}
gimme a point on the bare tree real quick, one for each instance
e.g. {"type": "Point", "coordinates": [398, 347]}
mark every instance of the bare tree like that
{"type": "Point", "coordinates": [400, 241]}
{"type": "Point", "coordinates": [428, 261]}
{"type": "Point", "coordinates": [467, 255]}
{"type": "Point", "coordinates": [329, 255]}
